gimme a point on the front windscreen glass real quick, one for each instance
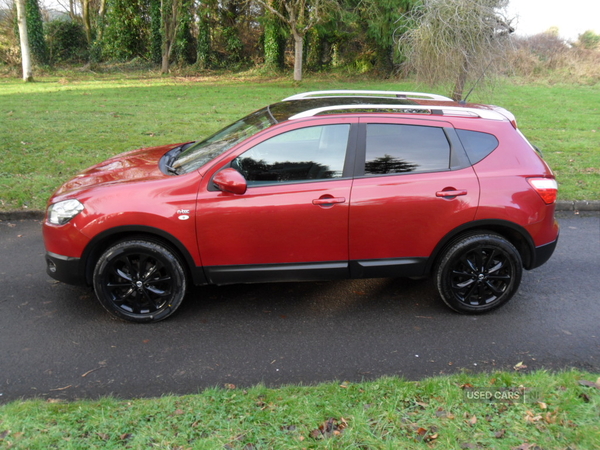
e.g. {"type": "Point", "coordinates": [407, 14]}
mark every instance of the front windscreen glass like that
{"type": "Point", "coordinates": [201, 152]}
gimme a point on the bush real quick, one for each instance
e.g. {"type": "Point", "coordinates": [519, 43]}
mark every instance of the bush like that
{"type": "Point", "coordinates": [66, 42]}
{"type": "Point", "coordinates": [10, 52]}
{"type": "Point", "coordinates": [547, 56]}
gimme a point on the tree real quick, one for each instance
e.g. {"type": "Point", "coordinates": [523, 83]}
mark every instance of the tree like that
{"type": "Point", "coordinates": [127, 30]}
{"type": "Point", "coordinates": [170, 11]}
{"type": "Point", "coordinates": [25, 52]}
{"type": "Point", "coordinates": [204, 37]}
{"type": "Point", "coordinates": [588, 40]}
{"type": "Point", "coordinates": [455, 40]}
{"type": "Point", "coordinates": [274, 40]}
{"type": "Point", "coordinates": [35, 32]}
{"type": "Point", "coordinates": [300, 16]}
{"type": "Point", "coordinates": [378, 20]}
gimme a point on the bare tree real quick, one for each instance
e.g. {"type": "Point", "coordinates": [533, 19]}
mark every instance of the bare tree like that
{"type": "Point", "coordinates": [300, 16]}
{"type": "Point", "coordinates": [25, 51]}
{"type": "Point", "coordinates": [455, 40]}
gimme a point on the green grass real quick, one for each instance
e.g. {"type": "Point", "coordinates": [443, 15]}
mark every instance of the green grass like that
{"type": "Point", "coordinates": [51, 129]}
{"type": "Point", "coordinates": [554, 411]}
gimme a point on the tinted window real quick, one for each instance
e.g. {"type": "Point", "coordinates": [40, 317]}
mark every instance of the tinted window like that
{"type": "Point", "coordinates": [478, 145]}
{"type": "Point", "coordinates": [405, 148]}
{"type": "Point", "coordinates": [313, 153]}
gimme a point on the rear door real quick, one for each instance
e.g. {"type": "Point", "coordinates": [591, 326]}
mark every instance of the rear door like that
{"type": "Point", "coordinates": [413, 185]}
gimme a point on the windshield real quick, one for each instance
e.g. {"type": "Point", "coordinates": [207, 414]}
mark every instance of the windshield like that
{"type": "Point", "coordinates": [201, 152]}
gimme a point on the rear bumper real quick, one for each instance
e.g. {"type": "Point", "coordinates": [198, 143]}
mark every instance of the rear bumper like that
{"type": "Point", "coordinates": [543, 254]}
{"type": "Point", "coordinates": [64, 268]}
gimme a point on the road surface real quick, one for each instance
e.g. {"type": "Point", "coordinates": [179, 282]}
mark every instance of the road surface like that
{"type": "Point", "coordinates": [56, 341]}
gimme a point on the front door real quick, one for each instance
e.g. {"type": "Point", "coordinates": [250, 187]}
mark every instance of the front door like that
{"type": "Point", "coordinates": [292, 222]}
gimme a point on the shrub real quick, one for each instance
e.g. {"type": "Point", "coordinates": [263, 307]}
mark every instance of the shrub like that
{"type": "Point", "coordinates": [66, 42]}
{"type": "Point", "coordinates": [547, 56]}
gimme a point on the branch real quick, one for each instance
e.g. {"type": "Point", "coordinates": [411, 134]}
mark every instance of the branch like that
{"type": "Point", "coordinates": [273, 10]}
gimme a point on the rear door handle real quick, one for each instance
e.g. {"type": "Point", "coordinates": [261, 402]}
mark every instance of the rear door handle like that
{"type": "Point", "coordinates": [451, 193]}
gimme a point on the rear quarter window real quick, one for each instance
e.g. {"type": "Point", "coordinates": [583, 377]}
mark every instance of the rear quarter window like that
{"type": "Point", "coordinates": [478, 145]}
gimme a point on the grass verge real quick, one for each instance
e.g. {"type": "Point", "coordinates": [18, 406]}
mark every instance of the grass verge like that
{"type": "Point", "coordinates": [53, 128]}
{"type": "Point", "coordinates": [538, 410]}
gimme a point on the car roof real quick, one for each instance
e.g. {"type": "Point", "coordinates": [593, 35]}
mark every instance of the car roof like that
{"type": "Point", "coordinates": [316, 103]}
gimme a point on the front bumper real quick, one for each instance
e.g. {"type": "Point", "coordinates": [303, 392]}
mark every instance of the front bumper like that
{"type": "Point", "coordinates": [64, 268]}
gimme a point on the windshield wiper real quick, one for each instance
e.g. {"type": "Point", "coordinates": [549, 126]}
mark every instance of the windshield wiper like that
{"type": "Point", "coordinates": [171, 169]}
{"type": "Point", "coordinates": [168, 159]}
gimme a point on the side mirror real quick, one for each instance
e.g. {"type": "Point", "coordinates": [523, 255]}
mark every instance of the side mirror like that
{"type": "Point", "coordinates": [230, 180]}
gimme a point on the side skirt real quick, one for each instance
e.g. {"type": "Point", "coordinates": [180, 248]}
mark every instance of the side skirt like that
{"type": "Point", "coordinates": [315, 271]}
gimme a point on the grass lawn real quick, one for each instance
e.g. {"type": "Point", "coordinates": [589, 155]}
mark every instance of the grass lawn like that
{"type": "Point", "coordinates": [529, 411]}
{"type": "Point", "coordinates": [53, 128]}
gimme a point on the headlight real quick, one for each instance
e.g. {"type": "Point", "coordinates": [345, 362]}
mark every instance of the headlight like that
{"type": "Point", "coordinates": [61, 212]}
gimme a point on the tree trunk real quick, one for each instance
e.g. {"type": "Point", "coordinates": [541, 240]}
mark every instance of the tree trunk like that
{"type": "Point", "coordinates": [165, 59]}
{"type": "Point", "coordinates": [25, 51]}
{"type": "Point", "coordinates": [101, 24]}
{"type": "Point", "coordinates": [87, 21]}
{"type": "Point", "coordinates": [298, 55]}
{"type": "Point", "coordinates": [461, 81]}
{"type": "Point", "coordinates": [170, 13]}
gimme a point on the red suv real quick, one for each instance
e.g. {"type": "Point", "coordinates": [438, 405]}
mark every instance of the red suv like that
{"type": "Point", "coordinates": [322, 185]}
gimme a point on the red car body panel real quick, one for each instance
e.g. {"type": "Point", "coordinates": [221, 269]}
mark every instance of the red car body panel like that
{"type": "Point", "coordinates": [401, 216]}
{"type": "Point", "coordinates": [274, 224]}
{"type": "Point", "coordinates": [110, 188]}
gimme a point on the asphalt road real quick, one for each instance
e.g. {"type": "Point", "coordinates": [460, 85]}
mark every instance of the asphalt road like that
{"type": "Point", "coordinates": [57, 342]}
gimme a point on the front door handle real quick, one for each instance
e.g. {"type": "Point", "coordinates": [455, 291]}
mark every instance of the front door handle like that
{"type": "Point", "coordinates": [450, 192]}
{"type": "Point", "coordinates": [328, 200]}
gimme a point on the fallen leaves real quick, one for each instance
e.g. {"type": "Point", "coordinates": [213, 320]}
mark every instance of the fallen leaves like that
{"type": "Point", "coordinates": [520, 366]}
{"type": "Point", "coordinates": [103, 436]}
{"type": "Point", "coordinates": [593, 384]}
{"type": "Point", "coordinates": [440, 413]}
{"type": "Point", "coordinates": [330, 428]}
{"type": "Point", "coordinates": [527, 446]}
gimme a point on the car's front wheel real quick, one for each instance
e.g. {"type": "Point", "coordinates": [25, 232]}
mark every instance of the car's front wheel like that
{"type": "Point", "coordinates": [479, 272]}
{"type": "Point", "coordinates": [139, 281]}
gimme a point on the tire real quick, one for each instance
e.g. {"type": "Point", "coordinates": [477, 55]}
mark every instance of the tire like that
{"type": "Point", "coordinates": [139, 281]}
{"type": "Point", "coordinates": [478, 273]}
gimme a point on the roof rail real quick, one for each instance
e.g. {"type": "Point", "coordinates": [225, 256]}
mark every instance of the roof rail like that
{"type": "Point", "coordinates": [367, 93]}
{"type": "Point", "coordinates": [407, 109]}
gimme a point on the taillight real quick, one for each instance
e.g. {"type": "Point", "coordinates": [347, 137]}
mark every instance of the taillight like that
{"type": "Point", "coordinates": [547, 188]}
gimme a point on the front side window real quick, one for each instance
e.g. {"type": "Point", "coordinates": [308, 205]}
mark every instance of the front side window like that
{"type": "Point", "coordinates": [312, 153]}
{"type": "Point", "coordinates": [392, 148]}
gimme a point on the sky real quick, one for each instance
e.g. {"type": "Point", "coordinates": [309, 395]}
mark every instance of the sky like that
{"type": "Point", "coordinates": [572, 17]}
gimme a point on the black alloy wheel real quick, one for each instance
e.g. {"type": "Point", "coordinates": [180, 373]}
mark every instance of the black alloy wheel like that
{"type": "Point", "coordinates": [139, 281]}
{"type": "Point", "coordinates": [479, 272]}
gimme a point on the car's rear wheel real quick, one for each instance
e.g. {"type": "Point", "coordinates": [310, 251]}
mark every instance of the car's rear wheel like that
{"type": "Point", "coordinates": [479, 272]}
{"type": "Point", "coordinates": [139, 281]}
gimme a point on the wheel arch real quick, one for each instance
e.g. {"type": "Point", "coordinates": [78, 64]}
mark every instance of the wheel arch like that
{"type": "Point", "coordinates": [512, 232]}
{"type": "Point", "coordinates": [109, 237]}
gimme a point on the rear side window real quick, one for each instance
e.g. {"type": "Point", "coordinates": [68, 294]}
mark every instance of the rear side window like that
{"type": "Point", "coordinates": [394, 148]}
{"type": "Point", "coordinates": [478, 145]}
